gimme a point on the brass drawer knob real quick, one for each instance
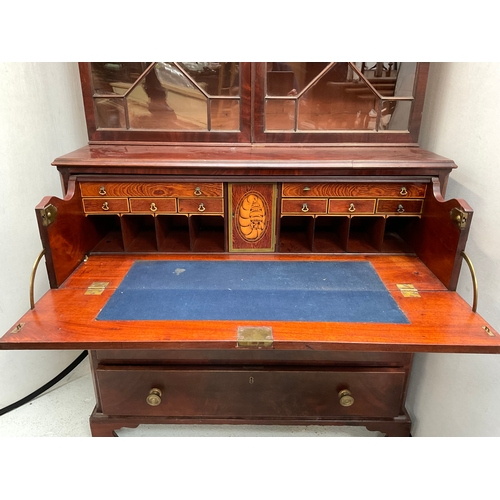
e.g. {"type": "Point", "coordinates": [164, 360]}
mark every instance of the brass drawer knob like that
{"type": "Point", "coordinates": [352, 208]}
{"type": "Point", "coordinates": [197, 191]}
{"type": "Point", "coordinates": [305, 208]}
{"type": "Point", "coordinates": [201, 208]}
{"type": "Point", "coordinates": [403, 191]}
{"type": "Point", "coordinates": [345, 398]}
{"type": "Point", "coordinates": [102, 191]}
{"type": "Point", "coordinates": [154, 397]}
{"type": "Point", "coordinates": [153, 207]}
{"type": "Point", "coordinates": [401, 209]}
{"type": "Point", "coordinates": [105, 206]}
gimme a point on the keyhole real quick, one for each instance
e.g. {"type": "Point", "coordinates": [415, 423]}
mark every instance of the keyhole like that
{"type": "Point", "coordinates": [250, 380]}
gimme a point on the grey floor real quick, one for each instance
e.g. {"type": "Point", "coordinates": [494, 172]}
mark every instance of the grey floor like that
{"type": "Point", "coordinates": [64, 412]}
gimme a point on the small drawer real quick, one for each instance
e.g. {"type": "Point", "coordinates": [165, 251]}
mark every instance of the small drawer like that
{"type": "Point", "coordinates": [399, 206]}
{"type": "Point", "coordinates": [354, 189]}
{"type": "Point", "coordinates": [201, 206]}
{"type": "Point", "coordinates": [303, 206]}
{"type": "Point", "coordinates": [105, 205]}
{"type": "Point", "coordinates": [233, 393]}
{"type": "Point", "coordinates": [153, 205]}
{"type": "Point", "coordinates": [151, 189]}
{"type": "Point", "coordinates": [351, 206]}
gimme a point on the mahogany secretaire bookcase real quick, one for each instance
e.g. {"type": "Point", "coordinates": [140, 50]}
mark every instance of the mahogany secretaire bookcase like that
{"type": "Point", "coordinates": [258, 243]}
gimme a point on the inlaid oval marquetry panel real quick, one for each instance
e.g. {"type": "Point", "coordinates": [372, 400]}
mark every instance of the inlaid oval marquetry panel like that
{"type": "Point", "coordinates": [252, 214]}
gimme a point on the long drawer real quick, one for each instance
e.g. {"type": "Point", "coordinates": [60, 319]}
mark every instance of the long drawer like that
{"type": "Point", "coordinates": [283, 393]}
{"type": "Point", "coordinates": [357, 189]}
{"type": "Point", "coordinates": [157, 189]}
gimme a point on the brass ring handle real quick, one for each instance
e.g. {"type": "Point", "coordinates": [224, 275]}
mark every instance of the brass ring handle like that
{"type": "Point", "coordinates": [197, 191]}
{"type": "Point", "coordinates": [105, 206]}
{"type": "Point", "coordinates": [153, 207]}
{"type": "Point", "coordinates": [154, 397]}
{"type": "Point", "coordinates": [351, 208]}
{"type": "Point", "coordinates": [102, 191]}
{"type": "Point", "coordinates": [401, 209]}
{"type": "Point", "coordinates": [305, 208]}
{"type": "Point", "coordinates": [345, 398]}
{"type": "Point", "coordinates": [403, 191]}
{"type": "Point", "coordinates": [201, 208]}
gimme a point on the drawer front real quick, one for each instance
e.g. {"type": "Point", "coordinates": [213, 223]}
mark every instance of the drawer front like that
{"type": "Point", "coordinates": [399, 206]}
{"type": "Point", "coordinates": [351, 206]}
{"type": "Point", "coordinates": [153, 205]}
{"type": "Point", "coordinates": [250, 393]}
{"type": "Point", "coordinates": [200, 206]}
{"type": "Point", "coordinates": [152, 189]}
{"type": "Point", "coordinates": [303, 206]}
{"type": "Point", "coordinates": [105, 205]}
{"type": "Point", "coordinates": [355, 189]}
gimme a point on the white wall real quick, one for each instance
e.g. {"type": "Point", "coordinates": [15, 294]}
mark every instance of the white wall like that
{"type": "Point", "coordinates": [41, 117]}
{"type": "Point", "coordinates": [455, 394]}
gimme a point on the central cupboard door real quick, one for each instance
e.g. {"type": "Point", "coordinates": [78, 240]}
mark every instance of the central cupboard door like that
{"type": "Point", "coordinates": [252, 226]}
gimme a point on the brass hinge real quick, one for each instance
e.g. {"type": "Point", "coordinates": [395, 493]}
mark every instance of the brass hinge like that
{"type": "Point", "coordinates": [48, 214]}
{"type": "Point", "coordinates": [255, 336]}
{"type": "Point", "coordinates": [17, 328]}
{"type": "Point", "coordinates": [459, 217]}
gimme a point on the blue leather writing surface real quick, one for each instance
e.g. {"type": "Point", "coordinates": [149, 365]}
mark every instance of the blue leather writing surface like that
{"type": "Point", "coordinates": [253, 291]}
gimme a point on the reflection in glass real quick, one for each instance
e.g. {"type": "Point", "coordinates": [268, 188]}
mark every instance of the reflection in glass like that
{"type": "Point", "coordinates": [225, 114]}
{"type": "Point", "coordinates": [115, 77]}
{"type": "Point", "coordinates": [110, 113]}
{"type": "Point", "coordinates": [280, 114]}
{"type": "Point", "coordinates": [169, 96]}
{"type": "Point", "coordinates": [339, 96]}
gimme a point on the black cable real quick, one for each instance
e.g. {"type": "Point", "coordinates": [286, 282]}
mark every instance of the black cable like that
{"type": "Point", "coordinates": [48, 385]}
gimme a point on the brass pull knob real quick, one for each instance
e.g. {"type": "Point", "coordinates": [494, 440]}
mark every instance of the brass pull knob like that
{"type": "Point", "coordinates": [305, 208]}
{"type": "Point", "coordinates": [401, 209]}
{"type": "Point", "coordinates": [403, 191]}
{"type": "Point", "coordinates": [105, 206]}
{"type": "Point", "coordinates": [201, 208]}
{"type": "Point", "coordinates": [102, 191]}
{"type": "Point", "coordinates": [197, 191]}
{"type": "Point", "coordinates": [154, 397]}
{"type": "Point", "coordinates": [351, 208]}
{"type": "Point", "coordinates": [345, 398]}
{"type": "Point", "coordinates": [153, 207]}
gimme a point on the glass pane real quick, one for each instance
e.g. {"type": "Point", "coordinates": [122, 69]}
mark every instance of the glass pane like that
{"type": "Point", "coordinates": [340, 95]}
{"type": "Point", "coordinates": [165, 99]}
{"type": "Point", "coordinates": [225, 114]}
{"type": "Point", "coordinates": [280, 114]}
{"type": "Point", "coordinates": [110, 113]}
{"type": "Point", "coordinates": [114, 77]}
{"type": "Point", "coordinates": [215, 78]}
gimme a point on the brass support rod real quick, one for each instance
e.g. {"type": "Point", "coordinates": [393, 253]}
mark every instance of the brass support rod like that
{"type": "Point", "coordinates": [474, 279]}
{"type": "Point", "coordinates": [32, 279]}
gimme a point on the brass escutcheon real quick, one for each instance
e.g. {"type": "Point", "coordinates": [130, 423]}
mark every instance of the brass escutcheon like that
{"type": "Point", "coordinates": [154, 397]}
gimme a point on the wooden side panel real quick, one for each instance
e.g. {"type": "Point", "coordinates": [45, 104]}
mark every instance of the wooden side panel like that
{"type": "Point", "coordinates": [439, 239]}
{"type": "Point", "coordinates": [252, 225]}
{"type": "Point", "coordinates": [69, 237]}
